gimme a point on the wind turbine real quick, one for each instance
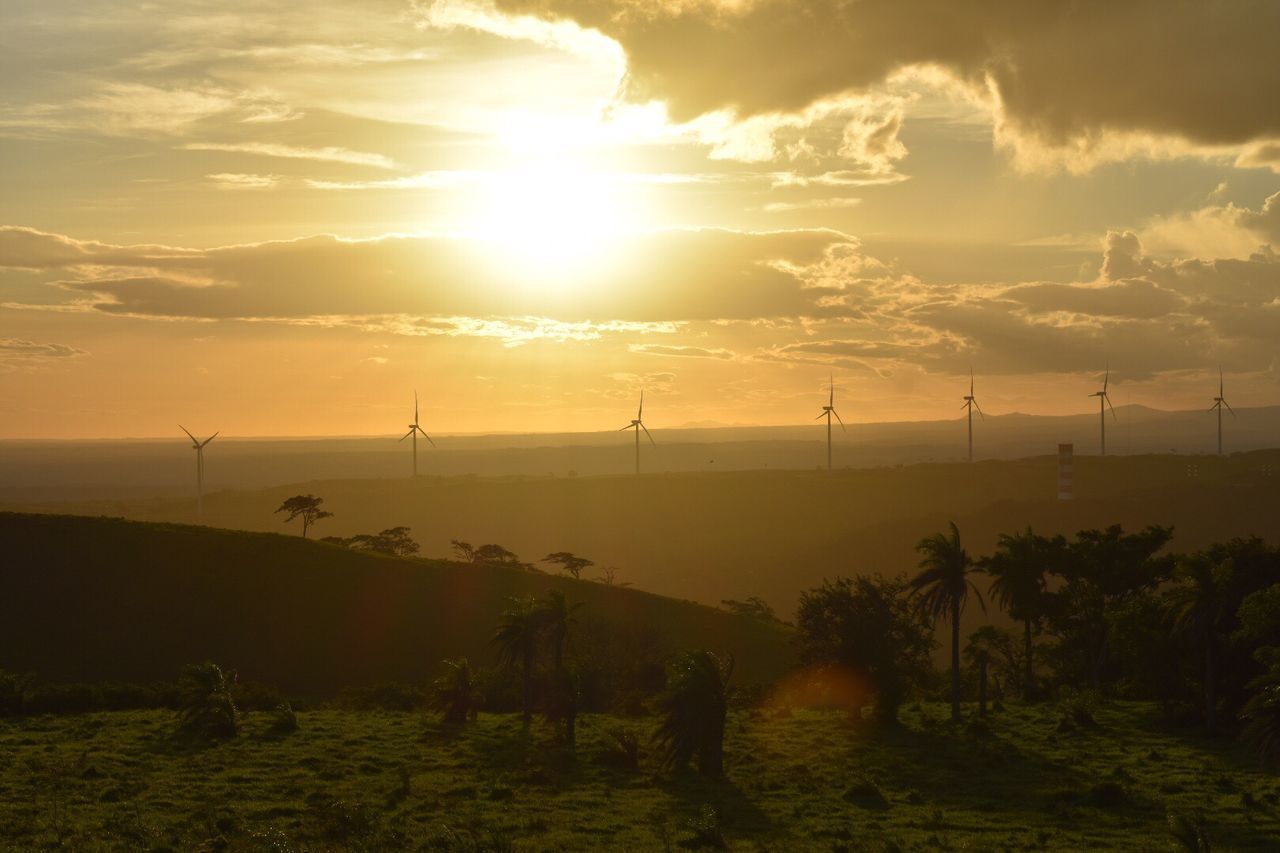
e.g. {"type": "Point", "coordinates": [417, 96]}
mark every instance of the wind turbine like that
{"type": "Point", "coordinates": [971, 403]}
{"type": "Point", "coordinates": [1218, 403]}
{"type": "Point", "coordinates": [827, 411]}
{"type": "Point", "coordinates": [1104, 400]}
{"type": "Point", "coordinates": [198, 446]}
{"type": "Point", "coordinates": [414, 429]}
{"type": "Point", "coordinates": [637, 425]}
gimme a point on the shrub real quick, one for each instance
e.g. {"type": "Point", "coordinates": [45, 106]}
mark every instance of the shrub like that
{"type": "Point", "coordinates": [283, 720]}
{"type": "Point", "coordinates": [207, 708]}
{"type": "Point", "coordinates": [865, 794]}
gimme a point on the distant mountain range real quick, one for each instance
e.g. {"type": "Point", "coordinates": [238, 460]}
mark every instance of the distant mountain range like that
{"type": "Point", "coordinates": [79, 470]}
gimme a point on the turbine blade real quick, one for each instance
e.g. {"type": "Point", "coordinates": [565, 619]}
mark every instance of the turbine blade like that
{"type": "Point", "coordinates": [965, 405]}
{"type": "Point", "coordinates": [979, 408]}
{"type": "Point", "coordinates": [1106, 378]}
{"type": "Point", "coordinates": [209, 439]}
{"type": "Point", "coordinates": [406, 435]}
{"type": "Point", "coordinates": [821, 416]}
{"type": "Point", "coordinates": [1107, 398]}
{"type": "Point", "coordinates": [1229, 409]}
{"type": "Point", "coordinates": [1214, 407]}
{"type": "Point", "coordinates": [640, 411]}
{"type": "Point", "coordinates": [1219, 380]}
{"type": "Point", "coordinates": [831, 399]}
{"type": "Point", "coordinates": [188, 432]}
{"type": "Point", "coordinates": [427, 437]}
{"type": "Point", "coordinates": [625, 428]}
{"type": "Point", "coordinates": [415, 406]}
{"type": "Point", "coordinates": [970, 381]}
{"type": "Point", "coordinates": [647, 435]}
{"type": "Point", "coordinates": [837, 414]}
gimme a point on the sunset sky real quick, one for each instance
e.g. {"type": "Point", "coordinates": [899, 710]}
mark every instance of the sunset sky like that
{"type": "Point", "coordinates": [277, 218]}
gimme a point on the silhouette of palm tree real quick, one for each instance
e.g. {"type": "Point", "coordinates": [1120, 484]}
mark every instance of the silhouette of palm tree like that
{"type": "Point", "coordinates": [517, 637]}
{"type": "Point", "coordinates": [943, 588]}
{"type": "Point", "coordinates": [694, 707]}
{"type": "Point", "coordinates": [454, 693]}
{"type": "Point", "coordinates": [557, 617]}
{"type": "Point", "coordinates": [1018, 569]}
{"type": "Point", "coordinates": [1196, 606]}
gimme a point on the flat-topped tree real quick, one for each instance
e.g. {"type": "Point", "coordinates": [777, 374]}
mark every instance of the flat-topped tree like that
{"type": "Point", "coordinates": [306, 507]}
{"type": "Point", "coordinates": [571, 563]}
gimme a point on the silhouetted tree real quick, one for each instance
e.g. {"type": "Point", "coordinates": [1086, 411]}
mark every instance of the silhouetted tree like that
{"type": "Point", "coordinates": [307, 507]}
{"type": "Point", "coordinates": [206, 707]}
{"type": "Point", "coordinates": [1001, 649]}
{"type": "Point", "coordinates": [1261, 714]}
{"type": "Point", "coordinates": [517, 638]}
{"type": "Point", "coordinates": [395, 541]}
{"type": "Point", "coordinates": [1018, 569]}
{"type": "Point", "coordinates": [942, 590]}
{"type": "Point", "coordinates": [570, 563]}
{"type": "Point", "coordinates": [556, 617]}
{"type": "Point", "coordinates": [694, 708]}
{"type": "Point", "coordinates": [495, 554]}
{"type": "Point", "coordinates": [465, 550]}
{"type": "Point", "coordinates": [455, 692]}
{"type": "Point", "coordinates": [1101, 570]}
{"type": "Point", "coordinates": [609, 577]}
{"type": "Point", "coordinates": [868, 626]}
{"type": "Point", "coordinates": [1198, 604]}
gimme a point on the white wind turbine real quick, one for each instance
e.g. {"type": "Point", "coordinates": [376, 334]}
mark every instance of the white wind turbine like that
{"type": "Point", "coordinates": [1219, 402]}
{"type": "Point", "coordinates": [971, 403]}
{"type": "Point", "coordinates": [637, 425]}
{"type": "Point", "coordinates": [827, 411]}
{"type": "Point", "coordinates": [414, 429]}
{"type": "Point", "coordinates": [198, 446]}
{"type": "Point", "coordinates": [1104, 401]}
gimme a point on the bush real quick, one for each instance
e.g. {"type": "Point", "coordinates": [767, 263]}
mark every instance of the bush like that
{"type": "Point", "coordinates": [865, 794]}
{"type": "Point", "coordinates": [283, 720]}
{"type": "Point", "coordinates": [207, 707]}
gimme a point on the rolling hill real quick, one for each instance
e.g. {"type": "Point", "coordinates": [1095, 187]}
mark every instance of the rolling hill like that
{"type": "Point", "coordinates": [107, 599]}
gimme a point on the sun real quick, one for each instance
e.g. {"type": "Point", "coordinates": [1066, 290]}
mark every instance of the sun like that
{"type": "Point", "coordinates": [549, 219]}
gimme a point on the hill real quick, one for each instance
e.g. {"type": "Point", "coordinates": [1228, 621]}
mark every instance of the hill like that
{"type": "Point", "coordinates": [733, 534]}
{"type": "Point", "coordinates": [133, 469]}
{"type": "Point", "coordinates": [108, 599]}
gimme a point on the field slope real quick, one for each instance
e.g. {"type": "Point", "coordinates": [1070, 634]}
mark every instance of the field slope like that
{"type": "Point", "coordinates": [107, 599]}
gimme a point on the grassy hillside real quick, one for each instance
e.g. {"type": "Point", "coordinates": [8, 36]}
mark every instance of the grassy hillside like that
{"type": "Point", "coordinates": [107, 599]}
{"type": "Point", "coordinates": [708, 536]}
{"type": "Point", "coordinates": [802, 781]}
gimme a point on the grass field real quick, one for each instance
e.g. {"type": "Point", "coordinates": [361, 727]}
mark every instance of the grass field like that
{"type": "Point", "coordinates": [804, 781]}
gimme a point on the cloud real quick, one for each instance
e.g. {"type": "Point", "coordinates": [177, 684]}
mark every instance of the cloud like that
{"type": "Point", "coordinates": [18, 353]}
{"type": "Point", "coordinates": [680, 351]}
{"type": "Point", "coordinates": [328, 154]}
{"type": "Point", "coordinates": [1069, 82]}
{"type": "Point", "coordinates": [1215, 231]}
{"type": "Point", "coordinates": [236, 181]}
{"type": "Point", "coordinates": [665, 276]}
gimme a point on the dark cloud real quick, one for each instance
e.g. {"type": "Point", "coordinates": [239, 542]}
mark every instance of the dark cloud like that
{"type": "Point", "coordinates": [1063, 72]}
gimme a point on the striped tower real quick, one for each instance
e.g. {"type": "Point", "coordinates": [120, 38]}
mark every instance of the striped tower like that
{"type": "Point", "coordinates": [1066, 464]}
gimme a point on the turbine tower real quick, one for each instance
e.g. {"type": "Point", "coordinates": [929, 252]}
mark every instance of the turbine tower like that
{"type": "Point", "coordinates": [1218, 403]}
{"type": "Point", "coordinates": [414, 429]}
{"type": "Point", "coordinates": [827, 411]}
{"type": "Point", "coordinates": [971, 403]}
{"type": "Point", "coordinates": [1104, 401]}
{"type": "Point", "coordinates": [637, 425]}
{"type": "Point", "coordinates": [198, 446]}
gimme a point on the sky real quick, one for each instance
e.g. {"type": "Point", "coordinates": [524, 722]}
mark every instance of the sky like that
{"type": "Point", "coordinates": [273, 218]}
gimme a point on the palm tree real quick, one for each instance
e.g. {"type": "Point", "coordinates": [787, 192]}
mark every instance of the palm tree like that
{"type": "Point", "coordinates": [517, 637]}
{"type": "Point", "coordinates": [454, 693]}
{"type": "Point", "coordinates": [943, 588]}
{"type": "Point", "coordinates": [206, 705]}
{"type": "Point", "coordinates": [557, 617]}
{"type": "Point", "coordinates": [1196, 607]}
{"type": "Point", "coordinates": [1018, 569]}
{"type": "Point", "coordinates": [694, 706]}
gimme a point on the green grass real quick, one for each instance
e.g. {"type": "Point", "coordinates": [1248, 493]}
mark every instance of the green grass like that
{"type": "Point", "coordinates": [804, 781]}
